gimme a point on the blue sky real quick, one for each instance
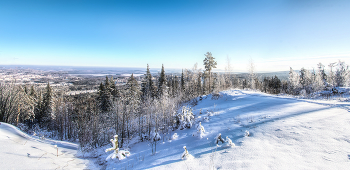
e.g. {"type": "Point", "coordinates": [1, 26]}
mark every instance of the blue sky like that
{"type": "Point", "coordinates": [276, 35]}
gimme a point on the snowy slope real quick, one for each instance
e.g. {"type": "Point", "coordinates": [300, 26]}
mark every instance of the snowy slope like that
{"type": "Point", "coordinates": [21, 151]}
{"type": "Point", "coordinates": [285, 133]}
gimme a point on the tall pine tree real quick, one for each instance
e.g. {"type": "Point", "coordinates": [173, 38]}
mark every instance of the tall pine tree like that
{"type": "Point", "coordinates": [209, 64]}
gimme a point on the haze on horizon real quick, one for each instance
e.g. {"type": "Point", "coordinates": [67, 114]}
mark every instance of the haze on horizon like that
{"type": "Point", "coordinates": [275, 34]}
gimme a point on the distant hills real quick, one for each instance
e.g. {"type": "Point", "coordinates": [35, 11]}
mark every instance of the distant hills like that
{"type": "Point", "coordinates": [102, 71]}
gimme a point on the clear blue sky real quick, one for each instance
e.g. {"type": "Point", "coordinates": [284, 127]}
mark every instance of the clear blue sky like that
{"type": "Point", "coordinates": [275, 34]}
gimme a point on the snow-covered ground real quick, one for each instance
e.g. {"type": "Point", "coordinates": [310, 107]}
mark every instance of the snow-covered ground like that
{"type": "Point", "coordinates": [21, 151]}
{"type": "Point", "coordinates": [284, 133]}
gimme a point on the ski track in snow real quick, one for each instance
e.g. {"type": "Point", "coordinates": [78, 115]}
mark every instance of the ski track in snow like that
{"type": "Point", "coordinates": [285, 133]}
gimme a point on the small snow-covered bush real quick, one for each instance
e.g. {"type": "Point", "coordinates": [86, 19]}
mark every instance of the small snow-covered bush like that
{"type": "Point", "coordinates": [155, 136]}
{"type": "Point", "coordinates": [185, 155]}
{"type": "Point", "coordinates": [200, 130]}
{"type": "Point", "coordinates": [120, 154]}
{"type": "Point", "coordinates": [175, 136]}
{"type": "Point", "coordinates": [185, 118]}
{"type": "Point", "coordinates": [229, 143]}
{"type": "Point", "coordinates": [218, 139]}
{"type": "Point", "coordinates": [303, 93]}
{"type": "Point", "coordinates": [246, 133]}
{"type": "Point", "coordinates": [216, 96]}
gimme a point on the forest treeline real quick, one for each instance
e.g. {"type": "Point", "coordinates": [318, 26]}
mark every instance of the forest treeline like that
{"type": "Point", "coordinates": [136, 109]}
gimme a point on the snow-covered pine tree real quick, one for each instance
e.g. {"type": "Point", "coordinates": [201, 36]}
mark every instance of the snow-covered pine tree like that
{"type": "Point", "coordinates": [131, 100]}
{"type": "Point", "coordinates": [185, 118]}
{"type": "Point", "coordinates": [200, 130]}
{"type": "Point", "coordinates": [44, 107]}
{"type": "Point", "coordinates": [113, 88]}
{"type": "Point", "coordinates": [161, 82]}
{"type": "Point", "coordinates": [155, 138]}
{"type": "Point", "coordinates": [182, 82]}
{"type": "Point", "coordinates": [105, 101]}
{"type": "Point", "coordinates": [147, 86]}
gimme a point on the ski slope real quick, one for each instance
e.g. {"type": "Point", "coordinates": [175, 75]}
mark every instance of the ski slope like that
{"type": "Point", "coordinates": [285, 133]}
{"type": "Point", "coordinates": [21, 151]}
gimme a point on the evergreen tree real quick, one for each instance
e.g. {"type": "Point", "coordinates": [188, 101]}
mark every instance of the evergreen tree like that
{"type": "Point", "coordinates": [44, 107]}
{"type": "Point", "coordinates": [104, 97]}
{"type": "Point", "coordinates": [32, 92]}
{"type": "Point", "coordinates": [175, 86]}
{"type": "Point", "coordinates": [161, 82]}
{"type": "Point", "coordinates": [131, 100]}
{"type": "Point", "coordinates": [26, 90]}
{"type": "Point", "coordinates": [147, 87]}
{"type": "Point", "coordinates": [209, 64]}
{"type": "Point", "coordinates": [113, 88]}
{"type": "Point", "coordinates": [182, 81]}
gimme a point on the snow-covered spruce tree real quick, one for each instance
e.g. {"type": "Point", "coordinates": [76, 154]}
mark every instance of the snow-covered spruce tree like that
{"type": "Point", "coordinates": [44, 108]}
{"type": "Point", "coordinates": [218, 139]}
{"type": "Point", "coordinates": [105, 97]}
{"type": "Point", "coordinates": [155, 138]}
{"type": "Point", "coordinates": [209, 64]}
{"type": "Point", "coordinates": [161, 82]}
{"type": "Point", "coordinates": [185, 118]}
{"type": "Point", "coordinates": [185, 155]}
{"type": "Point", "coordinates": [200, 130]}
{"type": "Point", "coordinates": [131, 102]}
{"type": "Point", "coordinates": [15, 105]}
{"type": "Point", "coordinates": [113, 88]}
{"type": "Point", "coordinates": [120, 154]}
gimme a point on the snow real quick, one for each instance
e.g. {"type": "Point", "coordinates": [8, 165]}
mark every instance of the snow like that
{"type": "Point", "coordinates": [21, 151]}
{"type": "Point", "coordinates": [284, 133]}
